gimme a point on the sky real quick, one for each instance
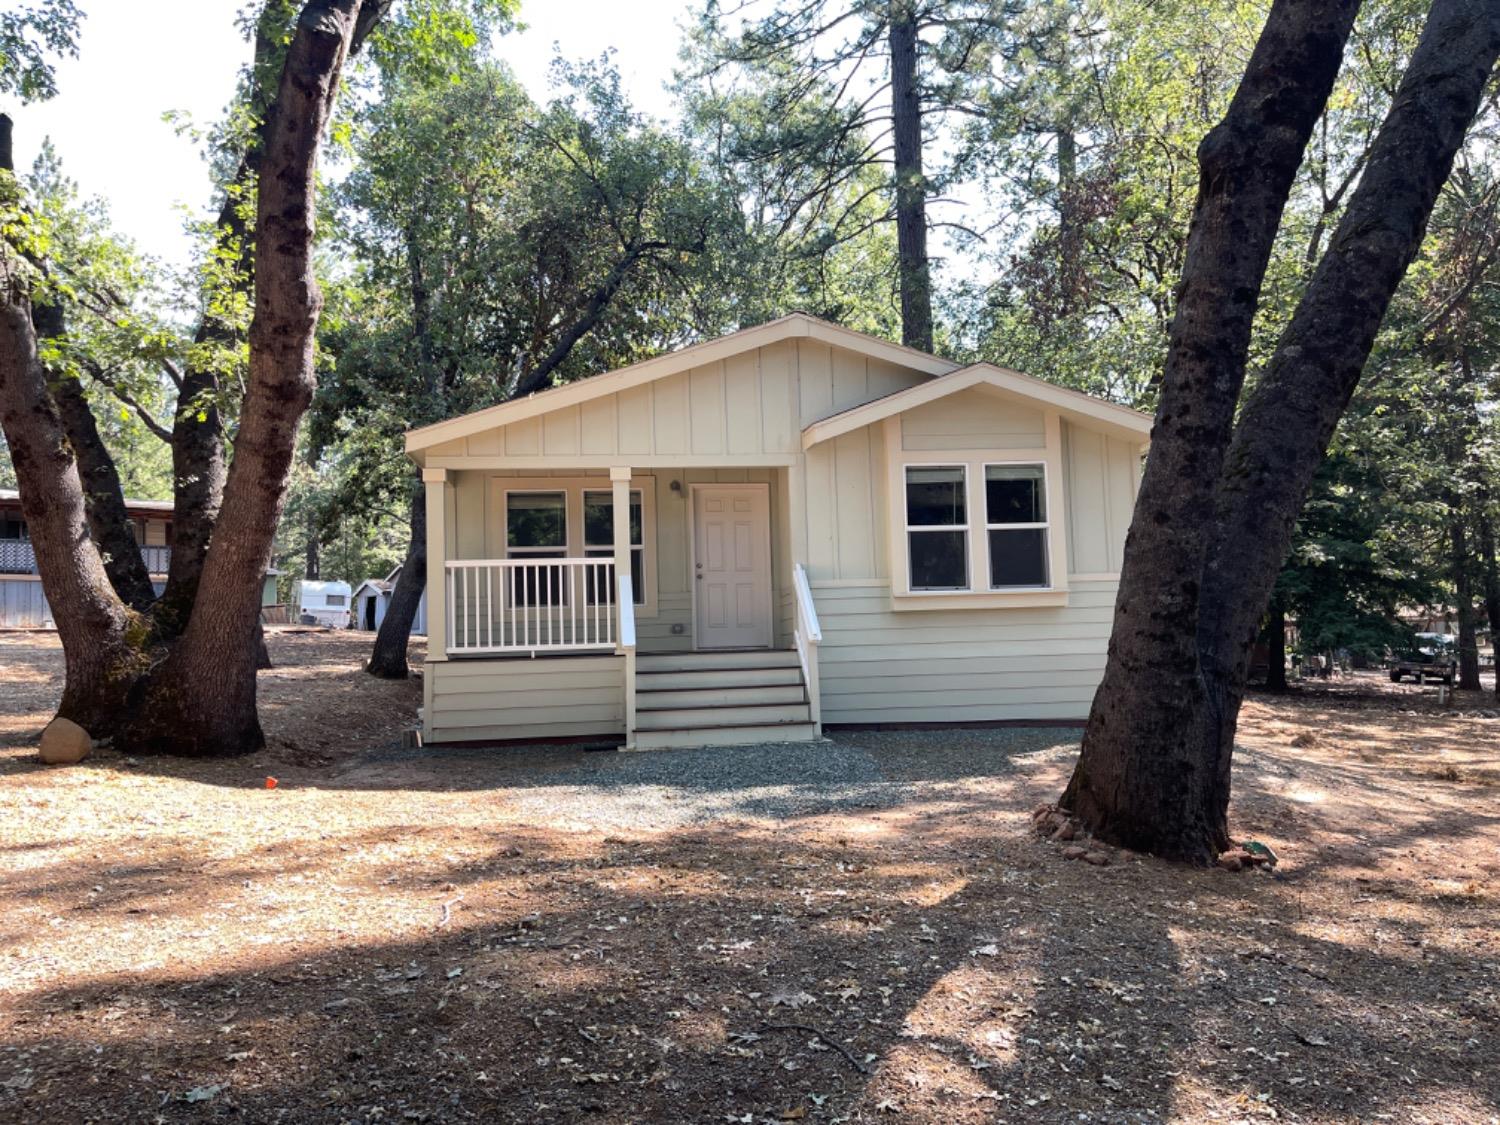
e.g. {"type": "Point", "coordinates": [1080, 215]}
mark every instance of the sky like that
{"type": "Point", "coordinates": [140, 59]}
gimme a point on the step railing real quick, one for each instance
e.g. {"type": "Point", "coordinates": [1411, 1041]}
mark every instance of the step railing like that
{"type": "Point", "coordinates": [627, 649]}
{"type": "Point", "coordinates": [531, 605]}
{"type": "Point", "coordinates": [808, 635]}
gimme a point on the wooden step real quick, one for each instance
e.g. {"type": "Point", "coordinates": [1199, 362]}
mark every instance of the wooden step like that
{"type": "Point", "coordinates": [705, 661]}
{"type": "Point", "coordinates": [652, 699]}
{"type": "Point", "coordinates": [717, 678]}
{"type": "Point", "coordinates": [724, 736]}
{"type": "Point", "coordinates": [692, 718]}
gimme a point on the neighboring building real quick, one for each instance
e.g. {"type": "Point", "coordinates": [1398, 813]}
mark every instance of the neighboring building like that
{"type": "Point", "coordinates": [816, 526]}
{"type": "Point", "coordinates": [372, 598]}
{"type": "Point", "coordinates": [22, 603]}
{"type": "Point", "coordinates": [326, 603]}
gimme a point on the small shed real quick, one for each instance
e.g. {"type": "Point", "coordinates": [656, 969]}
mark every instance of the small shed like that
{"type": "Point", "coordinates": [372, 598]}
{"type": "Point", "coordinates": [326, 603]}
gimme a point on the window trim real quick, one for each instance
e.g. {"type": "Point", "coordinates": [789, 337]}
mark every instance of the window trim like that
{"type": "Point", "coordinates": [1050, 454]}
{"type": "Point", "coordinates": [533, 552]}
{"type": "Point", "coordinates": [907, 527]}
{"type": "Point", "coordinates": [1045, 526]}
{"type": "Point", "coordinates": [499, 486]}
{"type": "Point", "coordinates": [583, 501]}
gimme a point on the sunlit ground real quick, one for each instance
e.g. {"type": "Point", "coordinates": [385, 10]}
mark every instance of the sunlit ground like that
{"type": "Point", "coordinates": [394, 937]}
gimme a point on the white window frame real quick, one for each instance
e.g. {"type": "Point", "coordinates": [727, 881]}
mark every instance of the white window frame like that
{"type": "Point", "coordinates": [981, 596]}
{"type": "Point", "coordinates": [532, 552]}
{"type": "Point", "coordinates": [640, 594]}
{"type": "Point", "coordinates": [498, 488]}
{"type": "Point", "coordinates": [966, 527]}
{"type": "Point", "coordinates": [1045, 526]}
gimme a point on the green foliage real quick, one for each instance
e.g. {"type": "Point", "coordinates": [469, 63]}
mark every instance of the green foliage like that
{"type": "Point", "coordinates": [30, 37]}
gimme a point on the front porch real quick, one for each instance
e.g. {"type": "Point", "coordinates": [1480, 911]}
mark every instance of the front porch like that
{"type": "Point", "coordinates": [663, 605]}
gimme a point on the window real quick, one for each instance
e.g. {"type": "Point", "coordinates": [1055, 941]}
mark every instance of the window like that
{"type": "Point", "coordinates": [1015, 517]}
{"type": "Point", "coordinates": [937, 527]}
{"type": "Point", "coordinates": [599, 537]}
{"type": "Point", "coordinates": [333, 599]}
{"type": "Point", "coordinates": [536, 527]}
{"type": "Point", "coordinates": [12, 526]}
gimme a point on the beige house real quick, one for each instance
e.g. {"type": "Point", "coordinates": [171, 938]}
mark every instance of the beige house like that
{"type": "Point", "coordinates": [792, 526]}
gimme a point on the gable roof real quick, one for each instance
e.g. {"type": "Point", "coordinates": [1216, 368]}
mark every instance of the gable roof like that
{"type": "Point", "coordinates": [1084, 408]}
{"type": "Point", "coordinates": [659, 367]}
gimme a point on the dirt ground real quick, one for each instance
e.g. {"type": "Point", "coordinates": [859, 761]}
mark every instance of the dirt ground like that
{"type": "Point", "coordinates": [397, 937]}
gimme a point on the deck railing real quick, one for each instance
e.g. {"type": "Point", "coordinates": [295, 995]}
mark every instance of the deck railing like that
{"type": "Point", "coordinates": [531, 605]}
{"type": "Point", "coordinates": [808, 635]}
{"type": "Point", "coordinates": [17, 556]}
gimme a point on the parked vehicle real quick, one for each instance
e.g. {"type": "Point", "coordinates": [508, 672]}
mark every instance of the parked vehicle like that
{"type": "Point", "coordinates": [1432, 656]}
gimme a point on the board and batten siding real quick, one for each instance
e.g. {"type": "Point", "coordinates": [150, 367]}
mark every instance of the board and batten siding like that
{"type": "Point", "coordinates": [750, 405]}
{"type": "Point", "coordinates": [557, 697]}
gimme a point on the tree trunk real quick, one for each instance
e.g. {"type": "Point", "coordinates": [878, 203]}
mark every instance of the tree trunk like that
{"type": "Point", "coordinates": [312, 551]}
{"type": "Point", "coordinates": [914, 279]}
{"type": "Point", "coordinates": [1281, 437]}
{"type": "Point", "coordinates": [1463, 594]}
{"type": "Point", "coordinates": [1276, 647]}
{"type": "Point", "coordinates": [201, 700]}
{"type": "Point", "coordinates": [1491, 586]}
{"type": "Point", "coordinates": [102, 638]}
{"type": "Point", "coordinates": [1143, 779]}
{"type": "Point", "coordinates": [104, 498]}
{"type": "Point", "coordinates": [388, 659]}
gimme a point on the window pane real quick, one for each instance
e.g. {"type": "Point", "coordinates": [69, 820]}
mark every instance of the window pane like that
{"type": "Point", "coordinates": [935, 496]}
{"type": "Point", "coordinates": [1018, 558]}
{"type": "Point", "coordinates": [537, 586]}
{"type": "Point", "coordinates": [599, 519]}
{"type": "Point", "coordinates": [939, 560]}
{"type": "Point", "coordinates": [536, 519]}
{"type": "Point", "coordinates": [1014, 494]}
{"type": "Point", "coordinates": [637, 572]}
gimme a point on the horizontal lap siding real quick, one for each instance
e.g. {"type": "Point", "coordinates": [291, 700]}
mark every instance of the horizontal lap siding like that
{"type": "Point", "coordinates": [541, 698]}
{"type": "Point", "coordinates": [878, 665]}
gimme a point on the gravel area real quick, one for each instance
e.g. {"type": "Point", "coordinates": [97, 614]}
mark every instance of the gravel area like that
{"type": "Point", "coordinates": [658, 790]}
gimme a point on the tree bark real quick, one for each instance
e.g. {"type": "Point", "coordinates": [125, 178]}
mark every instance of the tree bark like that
{"type": "Point", "coordinates": [1276, 647]}
{"type": "Point", "coordinates": [1491, 586]}
{"type": "Point", "coordinates": [104, 498]}
{"type": "Point", "coordinates": [201, 701]}
{"type": "Point", "coordinates": [914, 279]}
{"type": "Point", "coordinates": [1289, 419]}
{"type": "Point", "coordinates": [101, 637]}
{"type": "Point", "coordinates": [1143, 779]}
{"type": "Point", "coordinates": [388, 659]}
{"type": "Point", "coordinates": [1463, 596]}
{"type": "Point", "coordinates": [1258, 487]}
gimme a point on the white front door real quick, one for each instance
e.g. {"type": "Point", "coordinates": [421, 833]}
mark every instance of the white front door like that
{"type": "Point", "coordinates": [732, 566]}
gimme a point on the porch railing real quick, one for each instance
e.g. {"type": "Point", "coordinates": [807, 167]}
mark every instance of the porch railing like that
{"type": "Point", "coordinates": [808, 635]}
{"type": "Point", "coordinates": [531, 605]}
{"type": "Point", "coordinates": [17, 556]}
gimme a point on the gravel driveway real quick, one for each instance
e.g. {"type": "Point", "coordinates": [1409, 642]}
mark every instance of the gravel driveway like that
{"type": "Point", "coordinates": [666, 789]}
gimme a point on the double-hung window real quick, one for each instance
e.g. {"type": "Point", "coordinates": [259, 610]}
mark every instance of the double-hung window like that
{"type": "Point", "coordinates": [599, 537]}
{"type": "Point", "coordinates": [937, 527]}
{"type": "Point", "coordinates": [1015, 519]}
{"type": "Point", "coordinates": [536, 527]}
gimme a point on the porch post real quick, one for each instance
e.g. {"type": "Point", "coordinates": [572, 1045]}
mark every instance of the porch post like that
{"type": "Point", "coordinates": [620, 480]}
{"type": "Point", "coordinates": [436, 483]}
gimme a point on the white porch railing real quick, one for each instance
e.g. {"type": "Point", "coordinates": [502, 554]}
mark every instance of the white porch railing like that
{"type": "Point", "coordinates": [627, 648]}
{"type": "Point", "coordinates": [808, 635]}
{"type": "Point", "coordinates": [531, 605]}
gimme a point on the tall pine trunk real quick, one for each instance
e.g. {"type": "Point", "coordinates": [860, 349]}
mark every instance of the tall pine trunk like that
{"type": "Point", "coordinates": [1491, 586]}
{"type": "Point", "coordinates": [388, 659]}
{"type": "Point", "coordinates": [1276, 647]}
{"type": "Point", "coordinates": [1257, 488]}
{"type": "Point", "coordinates": [1463, 595]}
{"type": "Point", "coordinates": [201, 700]}
{"type": "Point", "coordinates": [914, 278]}
{"type": "Point", "coordinates": [1143, 779]}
